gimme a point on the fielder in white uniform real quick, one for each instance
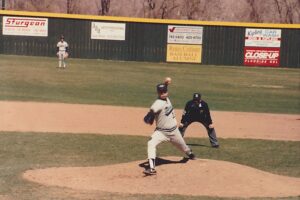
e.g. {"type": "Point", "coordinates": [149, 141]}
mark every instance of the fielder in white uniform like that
{"type": "Point", "coordinates": [62, 52]}
{"type": "Point", "coordinates": [166, 127]}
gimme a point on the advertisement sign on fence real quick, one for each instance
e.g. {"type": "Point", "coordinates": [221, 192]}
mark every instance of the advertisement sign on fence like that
{"type": "Point", "coordinates": [184, 53]}
{"type": "Point", "coordinates": [262, 47]}
{"type": "Point", "coordinates": [185, 34]}
{"type": "Point", "coordinates": [108, 31]}
{"type": "Point", "coordinates": [184, 44]}
{"type": "Point", "coordinates": [259, 56]}
{"type": "Point", "coordinates": [262, 37]}
{"type": "Point", "coordinates": [25, 26]}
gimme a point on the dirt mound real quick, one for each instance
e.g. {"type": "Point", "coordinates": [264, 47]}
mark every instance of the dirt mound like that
{"type": "Point", "coordinates": [175, 176]}
{"type": "Point", "coordinates": [5, 197]}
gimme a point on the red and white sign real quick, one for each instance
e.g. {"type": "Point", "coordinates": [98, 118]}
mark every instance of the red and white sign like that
{"type": "Point", "coordinates": [25, 26]}
{"type": "Point", "coordinates": [262, 37]}
{"type": "Point", "coordinates": [259, 56]}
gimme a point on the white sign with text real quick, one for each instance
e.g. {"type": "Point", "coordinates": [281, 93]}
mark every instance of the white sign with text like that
{"type": "Point", "coordinates": [25, 26]}
{"type": "Point", "coordinates": [185, 34]}
{"type": "Point", "coordinates": [108, 31]}
{"type": "Point", "coordinates": [262, 37]}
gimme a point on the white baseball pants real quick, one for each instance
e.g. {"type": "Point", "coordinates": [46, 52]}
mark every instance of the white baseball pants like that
{"type": "Point", "coordinates": [174, 137]}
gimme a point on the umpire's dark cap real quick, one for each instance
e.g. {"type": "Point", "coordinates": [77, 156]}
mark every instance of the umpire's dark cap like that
{"type": "Point", "coordinates": [196, 96]}
{"type": "Point", "coordinates": [162, 88]}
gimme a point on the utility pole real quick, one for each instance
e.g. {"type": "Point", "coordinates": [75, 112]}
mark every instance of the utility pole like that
{"type": "Point", "coordinates": [3, 4]}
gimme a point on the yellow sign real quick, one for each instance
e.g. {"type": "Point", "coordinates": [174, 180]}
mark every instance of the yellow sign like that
{"type": "Point", "coordinates": [184, 53]}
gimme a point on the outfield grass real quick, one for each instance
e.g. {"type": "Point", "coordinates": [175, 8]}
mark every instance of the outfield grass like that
{"type": "Point", "coordinates": [272, 90]}
{"type": "Point", "coordinates": [133, 84]}
{"type": "Point", "coordinates": [23, 151]}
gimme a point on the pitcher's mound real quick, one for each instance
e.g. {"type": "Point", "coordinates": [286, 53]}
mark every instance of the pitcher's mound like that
{"type": "Point", "coordinates": [174, 176]}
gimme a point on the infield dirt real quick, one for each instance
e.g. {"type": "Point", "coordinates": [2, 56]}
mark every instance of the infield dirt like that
{"type": "Point", "coordinates": [97, 119]}
{"type": "Point", "coordinates": [196, 178]}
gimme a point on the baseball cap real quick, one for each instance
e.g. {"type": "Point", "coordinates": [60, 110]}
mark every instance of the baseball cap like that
{"type": "Point", "coordinates": [196, 96]}
{"type": "Point", "coordinates": [162, 88]}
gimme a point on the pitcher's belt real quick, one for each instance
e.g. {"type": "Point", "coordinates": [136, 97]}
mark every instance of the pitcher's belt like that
{"type": "Point", "coordinates": [166, 129]}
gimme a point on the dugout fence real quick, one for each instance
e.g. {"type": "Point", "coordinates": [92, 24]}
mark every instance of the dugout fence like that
{"type": "Point", "coordinates": [152, 40]}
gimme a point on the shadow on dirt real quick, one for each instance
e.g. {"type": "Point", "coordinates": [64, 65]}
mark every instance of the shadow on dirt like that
{"type": "Point", "coordinates": [162, 161]}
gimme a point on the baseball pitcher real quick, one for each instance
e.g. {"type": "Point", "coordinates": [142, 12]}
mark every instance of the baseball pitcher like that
{"type": "Point", "coordinates": [62, 52]}
{"type": "Point", "coordinates": [166, 130]}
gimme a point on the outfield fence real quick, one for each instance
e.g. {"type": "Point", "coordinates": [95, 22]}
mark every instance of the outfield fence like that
{"type": "Point", "coordinates": [153, 40]}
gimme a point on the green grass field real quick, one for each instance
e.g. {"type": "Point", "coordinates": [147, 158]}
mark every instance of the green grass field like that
{"type": "Point", "coordinates": [23, 151]}
{"type": "Point", "coordinates": [133, 84]}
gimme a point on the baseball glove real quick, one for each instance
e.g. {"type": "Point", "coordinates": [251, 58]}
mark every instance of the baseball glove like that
{"type": "Point", "coordinates": [149, 118]}
{"type": "Point", "coordinates": [66, 55]}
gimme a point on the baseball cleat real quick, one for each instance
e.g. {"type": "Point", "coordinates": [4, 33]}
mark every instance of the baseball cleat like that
{"type": "Point", "coordinates": [149, 172]}
{"type": "Point", "coordinates": [192, 156]}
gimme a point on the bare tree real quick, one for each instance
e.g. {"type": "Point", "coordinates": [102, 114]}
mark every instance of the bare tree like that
{"type": "Point", "coordinates": [286, 10]}
{"type": "Point", "coordinates": [3, 5]}
{"type": "Point", "coordinates": [254, 16]}
{"type": "Point", "coordinates": [295, 11]}
{"type": "Point", "coordinates": [289, 16]}
{"type": "Point", "coordinates": [279, 9]}
{"type": "Point", "coordinates": [271, 11]}
{"type": "Point", "coordinates": [68, 6]}
{"type": "Point", "coordinates": [9, 5]}
{"type": "Point", "coordinates": [39, 5]}
{"type": "Point", "coordinates": [167, 8]}
{"type": "Point", "coordinates": [73, 6]}
{"type": "Point", "coordinates": [18, 5]}
{"type": "Point", "coordinates": [98, 7]}
{"type": "Point", "coordinates": [192, 7]}
{"type": "Point", "coordinates": [164, 8]}
{"type": "Point", "coordinates": [105, 4]}
{"type": "Point", "coordinates": [151, 4]}
{"type": "Point", "coordinates": [149, 8]}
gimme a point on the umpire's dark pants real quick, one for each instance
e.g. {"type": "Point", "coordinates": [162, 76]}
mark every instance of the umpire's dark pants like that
{"type": "Point", "coordinates": [210, 131]}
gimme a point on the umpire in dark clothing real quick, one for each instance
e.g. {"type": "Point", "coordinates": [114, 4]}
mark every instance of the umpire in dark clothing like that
{"type": "Point", "coordinates": [196, 110]}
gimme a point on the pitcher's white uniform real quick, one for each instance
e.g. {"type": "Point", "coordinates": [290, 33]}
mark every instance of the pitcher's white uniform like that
{"type": "Point", "coordinates": [62, 47]}
{"type": "Point", "coordinates": [166, 129]}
